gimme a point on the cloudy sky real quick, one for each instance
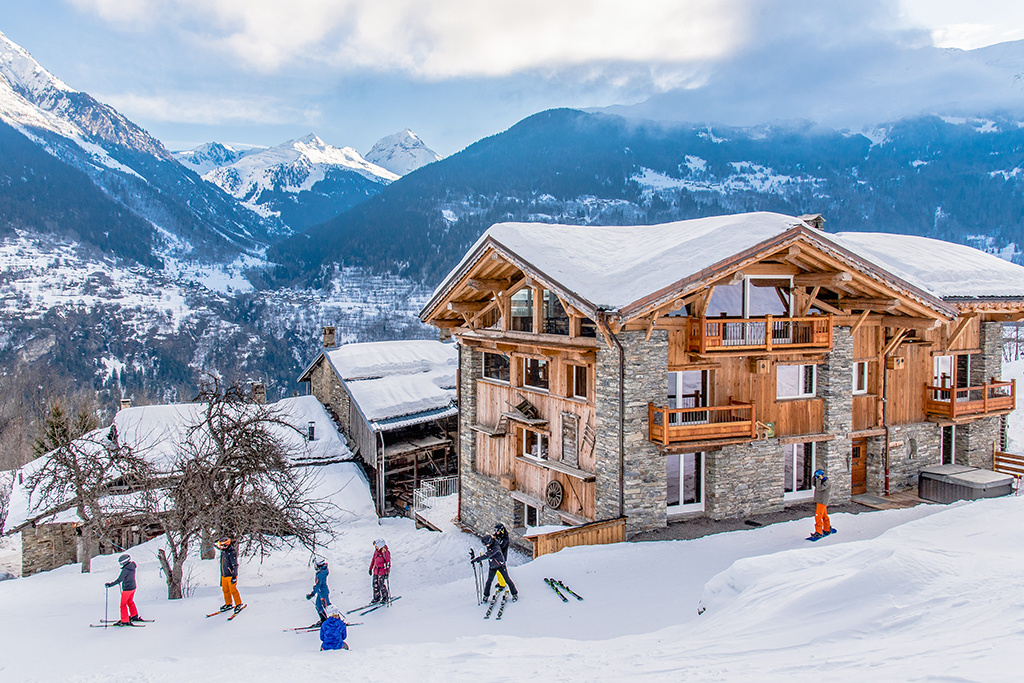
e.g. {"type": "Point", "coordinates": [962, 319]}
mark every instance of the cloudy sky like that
{"type": "Point", "coordinates": [263, 71]}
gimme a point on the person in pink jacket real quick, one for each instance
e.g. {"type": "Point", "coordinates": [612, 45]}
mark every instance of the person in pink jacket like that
{"type": "Point", "coordinates": [380, 568]}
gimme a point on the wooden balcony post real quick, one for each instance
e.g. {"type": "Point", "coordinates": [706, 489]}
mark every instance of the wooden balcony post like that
{"type": "Point", "coordinates": [753, 421]}
{"type": "Point", "coordinates": [768, 332]}
{"type": "Point", "coordinates": [1013, 393]}
{"type": "Point", "coordinates": [703, 334]}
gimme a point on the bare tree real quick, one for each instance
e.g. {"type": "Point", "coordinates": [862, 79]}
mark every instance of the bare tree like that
{"type": "Point", "coordinates": [233, 476]}
{"type": "Point", "coordinates": [6, 484]}
{"type": "Point", "coordinates": [82, 469]}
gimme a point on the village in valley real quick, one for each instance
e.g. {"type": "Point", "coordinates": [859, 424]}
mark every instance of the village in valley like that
{"type": "Point", "coordinates": [691, 354]}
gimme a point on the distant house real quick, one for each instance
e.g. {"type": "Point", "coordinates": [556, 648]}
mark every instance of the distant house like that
{"type": "Point", "coordinates": [708, 367]}
{"type": "Point", "coordinates": [396, 401]}
{"type": "Point", "coordinates": [51, 535]}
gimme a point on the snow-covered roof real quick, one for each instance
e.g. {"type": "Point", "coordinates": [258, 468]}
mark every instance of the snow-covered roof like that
{"type": "Point", "coordinates": [156, 432]}
{"type": "Point", "coordinates": [945, 269]}
{"type": "Point", "coordinates": [370, 360]}
{"type": "Point", "coordinates": [389, 397]}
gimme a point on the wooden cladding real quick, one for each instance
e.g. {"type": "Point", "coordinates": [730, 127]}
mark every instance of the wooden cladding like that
{"type": "Point", "coordinates": [595, 533]}
{"type": "Point", "coordinates": [759, 334]}
{"type": "Point", "coordinates": [677, 425]}
{"type": "Point", "coordinates": [951, 402]}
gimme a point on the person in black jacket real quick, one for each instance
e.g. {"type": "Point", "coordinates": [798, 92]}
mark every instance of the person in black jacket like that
{"type": "Point", "coordinates": [229, 573]}
{"type": "Point", "coordinates": [496, 566]}
{"type": "Point", "coordinates": [126, 578]}
{"type": "Point", "coordinates": [500, 534]}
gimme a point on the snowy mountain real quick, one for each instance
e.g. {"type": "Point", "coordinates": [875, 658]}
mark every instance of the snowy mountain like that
{"type": "Point", "coordinates": [212, 155]}
{"type": "Point", "coordinates": [125, 164]}
{"type": "Point", "coordinates": [402, 153]}
{"type": "Point", "coordinates": [302, 182]}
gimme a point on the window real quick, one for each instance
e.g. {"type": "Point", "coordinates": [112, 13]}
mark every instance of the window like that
{"type": "Point", "coordinates": [688, 389]}
{"type": "Point", "coordinates": [948, 446]}
{"type": "Point", "coordinates": [535, 445]}
{"type": "Point", "coordinates": [496, 367]}
{"type": "Point", "coordinates": [860, 378]}
{"type": "Point", "coordinates": [578, 381]}
{"type": "Point", "coordinates": [522, 310]}
{"type": "Point", "coordinates": [588, 328]}
{"type": "Point", "coordinates": [796, 381]}
{"type": "Point", "coordinates": [556, 320]}
{"type": "Point", "coordinates": [535, 373]}
{"type": "Point", "coordinates": [526, 515]}
{"type": "Point", "coordinates": [684, 477]}
{"type": "Point", "coordinates": [799, 468]}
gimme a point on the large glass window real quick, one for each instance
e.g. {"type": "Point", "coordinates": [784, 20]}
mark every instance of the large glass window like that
{"type": "Point", "coordinates": [684, 477]}
{"type": "Point", "coordinates": [588, 328]}
{"type": "Point", "coordinates": [688, 390]}
{"type": "Point", "coordinates": [795, 381]}
{"type": "Point", "coordinates": [535, 444]}
{"type": "Point", "coordinates": [496, 367]}
{"type": "Point", "coordinates": [522, 310]}
{"type": "Point", "coordinates": [535, 373]}
{"type": "Point", "coordinates": [799, 469]}
{"type": "Point", "coordinates": [556, 320]}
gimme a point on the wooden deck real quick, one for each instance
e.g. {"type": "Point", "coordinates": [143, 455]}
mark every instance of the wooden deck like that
{"type": "Point", "coordinates": [952, 403]}
{"type": "Point", "coordinates": [675, 425]}
{"type": "Point", "coordinates": [759, 334]}
{"type": "Point", "coordinates": [894, 501]}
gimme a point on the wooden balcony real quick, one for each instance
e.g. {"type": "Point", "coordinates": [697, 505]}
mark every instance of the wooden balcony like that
{"type": "Point", "coordinates": [759, 334]}
{"type": "Point", "coordinates": [952, 403]}
{"type": "Point", "coordinates": [679, 425]}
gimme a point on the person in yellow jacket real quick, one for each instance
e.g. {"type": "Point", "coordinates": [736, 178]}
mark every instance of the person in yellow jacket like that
{"type": "Point", "coordinates": [229, 574]}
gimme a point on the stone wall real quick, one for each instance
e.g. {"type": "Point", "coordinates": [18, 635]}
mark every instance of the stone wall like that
{"type": "Point", "coordinates": [644, 465]}
{"type": "Point", "coordinates": [47, 547]}
{"type": "Point", "coordinates": [913, 447]}
{"type": "Point", "coordinates": [835, 387]}
{"type": "Point", "coordinates": [976, 441]}
{"type": "Point", "coordinates": [743, 479]}
{"type": "Point", "coordinates": [325, 385]}
{"type": "Point", "coordinates": [989, 363]}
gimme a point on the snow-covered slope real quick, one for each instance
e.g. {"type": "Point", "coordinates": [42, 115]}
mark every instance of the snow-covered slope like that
{"type": "Point", "coordinates": [401, 153]}
{"type": "Point", "coordinates": [212, 155]}
{"type": "Point", "coordinates": [929, 593]}
{"type": "Point", "coordinates": [302, 181]}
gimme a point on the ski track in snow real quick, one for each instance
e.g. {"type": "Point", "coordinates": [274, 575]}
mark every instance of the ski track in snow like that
{"type": "Point", "coordinates": [929, 593]}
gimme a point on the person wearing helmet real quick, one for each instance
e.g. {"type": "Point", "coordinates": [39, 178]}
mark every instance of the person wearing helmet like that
{"type": "Point", "coordinates": [496, 566]}
{"type": "Point", "coordinates": [500, 533]}
{"type": "Point", "coordinates": [229, 573]}
{"type": "Point", "coordinates": [822, 494]}
{"type": "Point", "coordinates": [129, 613]}
{"type": "Point", "coordinates": [333, 631]}
{"type": "Point", "coordinates": [380, 568]}
{"type": "Point", "coordinates": [320, 590]}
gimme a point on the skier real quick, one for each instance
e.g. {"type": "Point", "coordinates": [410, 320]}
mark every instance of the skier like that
{"type": "Point", "coordinates": [496, 566]}
{"type": "Point", "coordinates": [380, 568]}
{"type": "Point", "coordinates": [333, 631]}
{"type": "Point", "coordinates": [501, 534]}
{"type": "Point", "coordinates": [822, 494]}
{"type": "Point", "coordinates": [126, 578]}
{"type": "Point", "coordinates": [320, 590]}
{"type": "Point", "coordinates": [229, 574]}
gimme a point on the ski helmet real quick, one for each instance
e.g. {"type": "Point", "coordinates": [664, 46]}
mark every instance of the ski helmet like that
{"type": "Point", "coordinates": [333, 611]}
{"type": "Point", "coordinates": [379, 543]}
{"type": "Point", "coordinates": [124, 559]}
{"type": "Point", "coordinates": [320, 564]}
{"type": "Point", "coordinates": [223, 543]}
{"type": "Point", "coordinates": [488, 540]}
{"type": "Point", "coordinates": [499, 529]}
{"type": "Point", "coordinates": [819, 474]}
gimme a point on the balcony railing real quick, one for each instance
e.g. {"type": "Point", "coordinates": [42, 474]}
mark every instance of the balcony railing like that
{"type": "Point", "coordinates": [763, 334]}
{"type": "Point", "coordinates": [954, 402]}
{"type": "Point", "coordinates": [676, 425]}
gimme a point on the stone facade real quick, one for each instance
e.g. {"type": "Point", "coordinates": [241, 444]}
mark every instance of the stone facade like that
{"type": "Point", "coordinates": [643, 465]}
{"type": "Point", "coordinates": [976, 441]}
{"type": "Point", "coordinates": [47, 547]}
{"type": "Point", "coordinates": [745, 478]}
{"type": "Point", "coordinates": [325, 385]}
{"type": "Point", "coordinates": [913, 447]}
{"type": "Point", "coordinates": [835, 387]}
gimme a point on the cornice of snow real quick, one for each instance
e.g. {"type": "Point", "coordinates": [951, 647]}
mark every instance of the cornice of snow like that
{"type": "Point", "coordinates": [402, 153]}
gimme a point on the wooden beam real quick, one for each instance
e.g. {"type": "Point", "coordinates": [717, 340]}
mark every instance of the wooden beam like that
{"type": "Point", "coordinates": [805, 306]}
{"type": "Point", "coordinates": [901, 334]}
{"type": "Point", "coordinates": [822, 279]}
{"type": "Point", "coordinates": [489, 285]}
{"type": "Point", "coordinates": [781, 269]}
{"type": "Point", "coordinates": [906, 322]}
{"type": "Point", "coordinates": [467, 306]}
{"type": "Point", "coordinates": [869, 303]}
{"type": "Point", "coordinates": [961, 326]}
{"type": "Point", "coordinates": [860, 321]}
{"type": "Point", "coordinates": [828, 308]}
{"type": "Point", "coordinates": [651, 325]}
{"type": "Point", "coordinates": [445, 324]}
{"type": "Point", "coordinates": [701, 309]}
{"type": "Point", "coordinates": [792, 254]}
{"type": "Point", "coordinates": [734, 279]}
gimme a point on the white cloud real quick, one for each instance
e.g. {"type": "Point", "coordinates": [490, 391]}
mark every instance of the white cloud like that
{"type": "Point", "coordinates": [967, 25]}
{"type": "Point", "coordinates": [436, 39]}
{"type": "Point", "coordinates": [204, 108]}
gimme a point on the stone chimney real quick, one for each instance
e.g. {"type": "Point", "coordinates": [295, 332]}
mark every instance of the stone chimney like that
{"type": "Point", "coordinates": [328, 336]}
{"type": "Point", "coordinates": [815, 220]}
{"type": "Point", "coordinates": [126, 403]}
{"type": "Point", "coordinates": [259, 393]}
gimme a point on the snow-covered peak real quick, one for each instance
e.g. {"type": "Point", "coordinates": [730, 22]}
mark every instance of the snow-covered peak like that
{"type": "Point", "coordinates": [24, 74]}
{"type": "Point", "coordinates": [212, 155]}
{"type": "Point", "coordinates": [402, 153]}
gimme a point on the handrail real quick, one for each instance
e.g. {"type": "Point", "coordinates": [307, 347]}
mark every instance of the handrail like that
{"type": "Point", "coordinates": [955, 402]}
{"type": "Point", "coordinates": [813, 331]}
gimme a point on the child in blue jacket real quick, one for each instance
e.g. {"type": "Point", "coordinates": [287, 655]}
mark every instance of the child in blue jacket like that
{"type": "Point", "coordinates": [333, 631]}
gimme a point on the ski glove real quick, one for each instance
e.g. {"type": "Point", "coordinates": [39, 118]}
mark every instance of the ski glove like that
{"type": "Point", "coordinates": [309, 596]}
{"type": "Point", "coordinates": [108, 585]}
{"type": "Point", "coordinates": [234, 579]}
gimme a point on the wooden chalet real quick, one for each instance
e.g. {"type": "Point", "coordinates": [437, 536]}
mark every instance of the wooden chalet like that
{"type": "Point", "coordinates": [395, 401]}
{"type": "Point", "coordinates": [708, 367]}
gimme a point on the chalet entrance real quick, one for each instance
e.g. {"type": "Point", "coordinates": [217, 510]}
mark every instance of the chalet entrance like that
{"type": "Point", "coordinates": [684, 478]}
{"type": "Point", "coordinates": [859, 467]}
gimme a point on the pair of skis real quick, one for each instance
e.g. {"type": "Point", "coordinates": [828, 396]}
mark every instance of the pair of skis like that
{"type": "Point", "coordinates": [503, 593]}
{"type": "Point", "coordinates": [555, 585]}
{"type": "Point", "coordinates": [222, 610]}
{"type": "Point", "coordinates": [112, 623]}
{"type": "Point", "coordinates": [373, 606]}
{"type": "Point", "coordinates": [316, 627]}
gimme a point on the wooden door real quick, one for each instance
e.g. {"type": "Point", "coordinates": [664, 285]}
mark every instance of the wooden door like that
{"type": "Point", "coordinates": [859, 467]}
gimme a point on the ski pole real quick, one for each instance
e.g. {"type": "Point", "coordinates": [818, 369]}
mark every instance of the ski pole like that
{"type": "Point", "coordinates": [106, 605]}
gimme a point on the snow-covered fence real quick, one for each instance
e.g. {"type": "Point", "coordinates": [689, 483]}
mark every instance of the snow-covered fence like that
{"type": "Point", "coordinates": [438, 487]}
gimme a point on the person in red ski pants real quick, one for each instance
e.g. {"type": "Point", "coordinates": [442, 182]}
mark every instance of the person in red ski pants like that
{"type": "Point", "coordinates": [126, 578]}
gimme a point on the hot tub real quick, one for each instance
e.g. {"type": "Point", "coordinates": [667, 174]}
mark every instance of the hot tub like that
{"type": "Point", "coordinates": [948, 483]}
